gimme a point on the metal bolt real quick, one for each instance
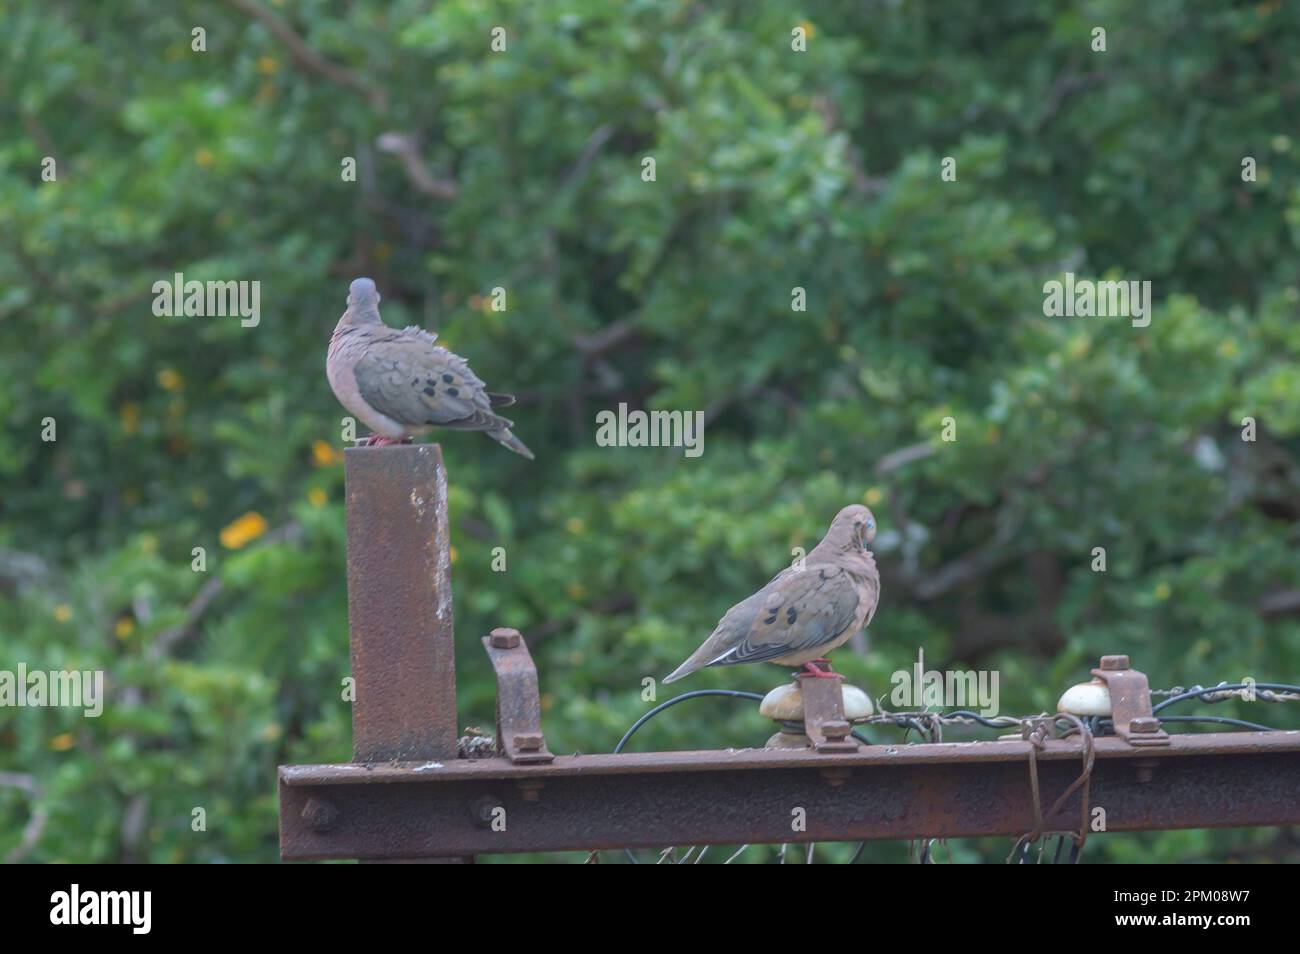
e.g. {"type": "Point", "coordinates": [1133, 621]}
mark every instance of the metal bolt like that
{"type": "Point", "coordinates": [835, 777]}
{"type": "Point", "coordinates": [319, 814]}
{"type": "Point", "coordinates": [1114, 663]}
{"type": "Point", "coordinates": [482, 809]}
{"type": "Point", "coordinates": [505, 638]}
{"type": "Point", "coordinates": [836, 730]}
{"type": "Point", "coordinates": [1144, 725]}
{"type": "Point", "coordinates": [528, 741]}
{"type": "Point", "coordinates": [530, 790]}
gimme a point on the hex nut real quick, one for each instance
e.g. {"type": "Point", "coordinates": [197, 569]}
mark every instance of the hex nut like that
{"type": "Point", "coordinates": [505, 638]}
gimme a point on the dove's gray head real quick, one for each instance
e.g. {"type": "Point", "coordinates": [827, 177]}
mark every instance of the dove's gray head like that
{"type": "Point", "coordinates": [852, 529]}
{"type": "Point", "coordinates": [362, 291]}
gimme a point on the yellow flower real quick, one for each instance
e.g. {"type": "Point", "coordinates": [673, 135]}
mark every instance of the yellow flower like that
{"type": "Point", "coordinates": [61, 743]}
{"type": "Point", "coordinates": [169, 380]}
{"type": "Point", "coordinates": [575, 525]}
{"type": "Point", "coordinates": [809, 30]}
{"type": "Point", "coordinates": [124, 627]}
{"type": "Point", "coordinates": [576, 590]}
{"type": "Point", "coordinates": [243, 531]}
{"type": "Point", "coordinates": [129, 415]}
{"type": "Point", "coordinates": [454, 554]}
{"type": "Point", "coordinates": [1162, 591]}
{"type": "Point", "coordinates": [873, 496]}
{"type": "Point", "coordinates": [63, 612]}
{"type": "Point", "coordinates": [323, 454]}
{"type": "Point", "coordinates": [267, 65]}
{"type": "Point", "coordinates": [317, 497]}
{"type": "Point", "coordinates": [203, 156]}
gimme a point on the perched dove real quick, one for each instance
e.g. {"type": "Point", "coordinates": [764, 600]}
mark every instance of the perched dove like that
{"type": "Point", "coordinates": [400, 383]}
{"type": "Point", "coordinates": [803, 613]}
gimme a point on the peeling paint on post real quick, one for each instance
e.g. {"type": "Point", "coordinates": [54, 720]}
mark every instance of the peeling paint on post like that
{"type": "Point", "coordinates": [399, 604]}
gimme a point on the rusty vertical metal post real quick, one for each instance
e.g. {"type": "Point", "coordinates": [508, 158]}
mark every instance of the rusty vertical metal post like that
{"type": "Point", "coordinates": [399, 604]}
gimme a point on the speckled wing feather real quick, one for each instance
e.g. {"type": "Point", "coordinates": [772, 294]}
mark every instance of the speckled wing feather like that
{"type": "Point", "coordinates": [407, 377]}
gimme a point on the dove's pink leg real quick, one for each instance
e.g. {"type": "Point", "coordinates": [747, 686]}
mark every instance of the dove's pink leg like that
{"type": "Point", "coordinates": [374, 440]}
{"type": "Point", "coordinates": [823, 671]}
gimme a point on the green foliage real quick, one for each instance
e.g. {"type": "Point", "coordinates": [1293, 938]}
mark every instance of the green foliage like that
{"type": "Point", "coordinates": [775, 169]}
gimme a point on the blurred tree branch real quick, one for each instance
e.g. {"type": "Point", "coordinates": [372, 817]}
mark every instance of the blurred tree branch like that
{"type": "Point", "coordinates": [308, 58]}
{"type": "Point", "coordinates": [39, 814]}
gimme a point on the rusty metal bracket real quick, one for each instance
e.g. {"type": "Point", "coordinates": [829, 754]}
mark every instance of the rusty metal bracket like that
{"type": "Point", "coordinates": [1130, 703]}
{"type": "Point", "coordinates": [823, 714]}
{"type": "Point", "coordinates": [519, 712]}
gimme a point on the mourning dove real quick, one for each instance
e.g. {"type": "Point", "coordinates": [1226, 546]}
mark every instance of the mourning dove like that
{"type": "Point", "coordinates": [400, 383]}
{"type": "Point", "coordinates": [805, 611]}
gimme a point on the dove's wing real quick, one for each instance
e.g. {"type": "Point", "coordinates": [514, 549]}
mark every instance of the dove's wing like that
{"type": "Point", "coordinates": [799, 610]}
{"type": "Point", "coordinates": [405, 376]}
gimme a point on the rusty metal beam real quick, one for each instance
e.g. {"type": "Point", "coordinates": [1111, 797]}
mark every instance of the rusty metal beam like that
{"type": "Point", "coordinates": [399, 604]}
{"type": "Point", "coordinates": [738, 796]}
{"type": "Point", "coordinates": [399, 612]}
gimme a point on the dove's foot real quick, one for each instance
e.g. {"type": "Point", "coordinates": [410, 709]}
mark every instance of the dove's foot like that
{"type": "Point", "coordinates": [375, 440]}
{"type": "Point", "coordinates": [819, 668]}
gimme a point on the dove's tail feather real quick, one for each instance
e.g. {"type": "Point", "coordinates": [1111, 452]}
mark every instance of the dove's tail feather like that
{"type": "Point", "coordinates": [686, 668]}
{"type": "Point", "coordinates": [704, 657]}
{"type": "Point", "coordinates": [500, 400]}
{"type": "Point", "coordinates": [506, 439]}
